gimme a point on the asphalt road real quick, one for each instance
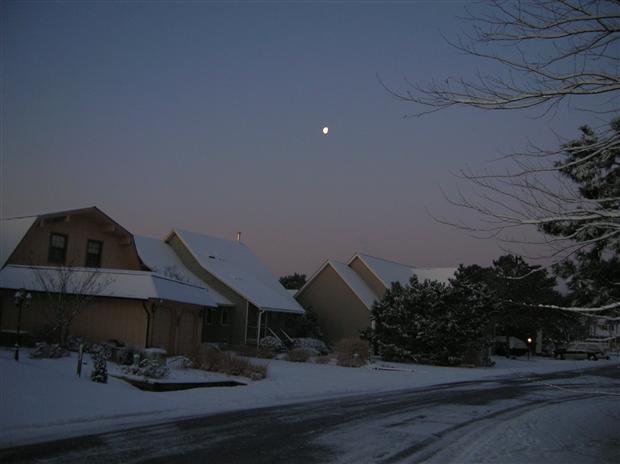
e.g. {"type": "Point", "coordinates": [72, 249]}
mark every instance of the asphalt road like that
{"type": "Point", "coordinates": [405, 426]}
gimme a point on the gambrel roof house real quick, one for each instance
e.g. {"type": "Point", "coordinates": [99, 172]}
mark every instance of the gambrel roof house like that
{"type": "Point", "coordinates": [152, 294]}
{"type": "Point", "coordinates": [342, 294]}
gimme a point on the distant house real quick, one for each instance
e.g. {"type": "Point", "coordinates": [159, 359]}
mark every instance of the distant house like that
{"type": "Point", "coordinates": [150, 296]}
{"type": "Point", "coordinates": [342, 294]}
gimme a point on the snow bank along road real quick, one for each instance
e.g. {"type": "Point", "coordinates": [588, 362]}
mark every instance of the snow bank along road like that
{"type": "Point", "coordinates": [560, 417]}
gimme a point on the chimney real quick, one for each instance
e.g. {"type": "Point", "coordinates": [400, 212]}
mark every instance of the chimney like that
{"type": "Point", "coordinates": [238, 236]}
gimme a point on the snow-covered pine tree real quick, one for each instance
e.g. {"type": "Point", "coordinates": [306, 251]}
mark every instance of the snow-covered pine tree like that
{"type": "Point", "coordinates": [593, 272]}
{"type": "Point", "coordinates": [404, 320]}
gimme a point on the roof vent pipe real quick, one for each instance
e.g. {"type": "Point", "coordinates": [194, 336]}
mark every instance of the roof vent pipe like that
{"type": "Point", "coordinates": [238, 236]}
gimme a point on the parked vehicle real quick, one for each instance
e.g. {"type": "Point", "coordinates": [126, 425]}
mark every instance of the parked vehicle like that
{"type": "Point", "coordinates": [581, 350]}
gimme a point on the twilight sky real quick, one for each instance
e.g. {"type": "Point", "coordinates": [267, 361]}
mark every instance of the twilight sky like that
{"type": "Point", "coordinates": [207, 116]}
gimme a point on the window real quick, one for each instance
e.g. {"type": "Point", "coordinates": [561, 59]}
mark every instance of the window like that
{"type": "Point", "coordinates": [93, 253]}
{"type": "Point", "coordinates": [224, 319]}
{"type": "Point", "coordinates": [209, 316]}
{"type": "Point", "coordinates": [58, 248]}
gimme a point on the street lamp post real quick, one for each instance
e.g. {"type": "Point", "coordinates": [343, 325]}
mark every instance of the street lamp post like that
{"type": "Point", "coordinates": [21, 297]}
{"type": "Point", "coordinates": [529, 347]}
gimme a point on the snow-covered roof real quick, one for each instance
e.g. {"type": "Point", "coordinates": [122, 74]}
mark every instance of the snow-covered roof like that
{"type": "Point", "coordinates": [355, 283]}
{"type": "Point", "coordinates": [389, 271]}
{"type": "Point", "coordinates": [234, 264]}
{"type": "Point", "coordinates": [115, 283]}
{"type": "Point", "coordinates": [11, 233]}
{"type": "Point", "coordinates": [161, 259]}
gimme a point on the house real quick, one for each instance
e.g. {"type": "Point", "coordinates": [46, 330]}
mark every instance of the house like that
{"type": "Point", "coordinates": [260, 305]}
{"type": "Point", "coordinates": [342, 294]}
{"type": "Point", "coordinates": [145, 294]}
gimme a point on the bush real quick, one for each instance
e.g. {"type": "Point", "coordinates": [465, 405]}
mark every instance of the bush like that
{"type": "Point", "coordinates": [270, 343]}
{"type": "Point", "coordinates": [313, 344]}
{"type": "Point", "coordinates": [180, 362]}
{"type": "Point", "coordinates": [299, 355]}
{"type": "Point", "coordinates": [225, 362]}
{"type": "Point", "coordinates": [43, 350]}
{"type": "Point", "coordinates": [103, 349]}
{"type": "Point", "coordinates": [99, 373]}
{"type": "Point", "coordinates": [125, 355]}
{"type": "Point", "coordinates": [322, 360]}
{"type": "Point", "coordinates": [73, 343]}
{"type": "Point", "coordinates": [352, 352]}
{"type": "Point", "coordinates": [147, 368]}
{"type": "Point", "coordinates": [253, 352]}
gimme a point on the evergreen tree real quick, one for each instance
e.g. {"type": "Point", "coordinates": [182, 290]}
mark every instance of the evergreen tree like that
{"type": "Point", "coordinates": [307, 326]}
{"type": "Point", "coordinates": [293, 281]}
{"type": "Point", "coordinates": [518, 289]}
{"type": "Point", "coordinates": [432, 322]}
{"type": "Point", "coordinates": [593, 272]}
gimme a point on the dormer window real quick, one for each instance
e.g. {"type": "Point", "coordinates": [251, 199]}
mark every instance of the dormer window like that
{"type": "Point", "coordinates": [58, 248]}
{"type": "Point", "coordinates": [93, 253]}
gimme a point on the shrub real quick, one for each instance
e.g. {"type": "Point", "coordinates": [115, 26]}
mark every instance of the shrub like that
{"type": "Point", "coordinates": [352, 352]}
{"type": "Point", "coordinates": [99, 373]}
{"type": "Point", "coordinates": [180, 362]}
{"type": "Point", "coordinates": [270, 343]}
{"type": "Point", "coordinates": [225, 362]}
{"type": "Point", "coordinates": [148, 368]}
{"type": "Point", "coordinates": [43, 350]}
{"type": "Point", "coordinates": [322, 360]}
{"type": "Point", "coordinates": [73, 343]}
{"type": "Point", "coordinates": [253, 352]}
{"type": "Point", "coordinates": [125, 355]}
{"type": "Point", "coordinates": [313, 344]}
{"type": "Point", "coordinates": [101, 348]}
{"type": "Point", "coordinates": [299, 355]}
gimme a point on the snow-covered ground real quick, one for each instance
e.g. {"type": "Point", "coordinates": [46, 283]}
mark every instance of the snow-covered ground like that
{"type": "Point", "coordinates": [43, 399]}
{"type": "Point", "coordinates": [577, 432]}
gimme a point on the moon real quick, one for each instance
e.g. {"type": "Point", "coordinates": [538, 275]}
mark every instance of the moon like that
{"type": "Point", "coordinates": [325, 130]}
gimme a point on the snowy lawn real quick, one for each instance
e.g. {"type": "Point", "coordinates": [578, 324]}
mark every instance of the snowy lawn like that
{"type": "Point", "coordinates": [42, 399]}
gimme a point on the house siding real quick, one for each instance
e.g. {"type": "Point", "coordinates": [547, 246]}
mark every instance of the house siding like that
{"type": "Point", "coordinates": [340, 312]}
{"type": "Point", "coordinates": [104, 319]}
{"type": "Point", "coordinates": [234, 333]}
{"type": "Point", "coordinates": [174, 327]}
{"type": "Point", "coordinates": [118, 251]}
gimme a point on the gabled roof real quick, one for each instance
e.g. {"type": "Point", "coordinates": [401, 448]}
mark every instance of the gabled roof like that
{"type": "Point", "coordinates": [113, 283]}
{"type": "Point", "coordinates": [389, 271]}
{"type": "Point", "coordinates": [158, 256]}
{"type": "Point", "coordinates": [234, 264]}
{"type": "Point", "coordinates": [355, 283]}
{"type": "Point", "coordinates": [12, 231]}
